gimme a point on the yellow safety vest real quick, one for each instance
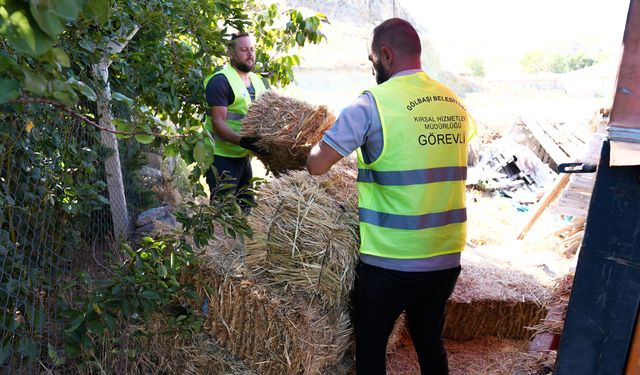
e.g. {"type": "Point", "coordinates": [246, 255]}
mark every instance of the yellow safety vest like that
{"type": "Point", "coordinates": [236, 111]}
{"type": "Point", "coordinates": [412, 197]}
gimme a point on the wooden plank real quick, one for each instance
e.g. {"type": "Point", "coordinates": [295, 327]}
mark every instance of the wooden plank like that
{"type": "Point", "coordinates": [576, 196]}
{"type": "Point", "coordinates": [549, 145]}
{"type": "Point", "coordinates": [574, 212]}
{"type": "Point", "coordinates": [549, 197]}
{"type": "Point", "coordinates": [625, 111]}
{"type": "Point", "coordinates": [572, 203]}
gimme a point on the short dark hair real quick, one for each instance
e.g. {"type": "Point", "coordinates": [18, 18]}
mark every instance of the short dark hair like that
{"type": "Point", "coordinates": [397, 34]}
{"type": "Point", "coordinates": [234, 36]}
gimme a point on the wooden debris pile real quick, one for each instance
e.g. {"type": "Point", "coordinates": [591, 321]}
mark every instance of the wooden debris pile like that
{"type": "Point", "coordinates": [570, 195]}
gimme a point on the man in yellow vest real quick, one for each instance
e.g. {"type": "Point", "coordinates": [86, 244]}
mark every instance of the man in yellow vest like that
{"type": "Point", "coordinates": [411, 134]}
{"type": "Point", "coordinates": [229, 93]}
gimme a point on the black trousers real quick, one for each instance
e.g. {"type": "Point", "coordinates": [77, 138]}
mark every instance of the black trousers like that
{"type": "Point", "coordinates": [380, 296]}
{"type": "Point", "coordinates": [239, 169]}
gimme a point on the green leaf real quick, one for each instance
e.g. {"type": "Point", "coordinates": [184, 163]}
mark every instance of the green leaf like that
{"type": "Point", "coordinates": [22, 30]}
{"type": "Point", "coordinates": [145, 138]}
{"type": "Point", "coordinates": [72, 350]}
{"type": "Point", "coordinates": [95, 326]}
{"type": "Point", "coordinates": [9, 90]}
{"type": "Point", "coordinates": [62, 91]}
{"type": "Point", "coordinates": [99, 10]}
{"type": "Point", "coordinates": [162, 270]}
{"type": "Point", "coordinates": [149, 294]}
{"type": "Point", "coordinates": [46, 19]}
{"type": "Point", "coordinates": [29, 348]}
{"type": "Point", "coordinates": [8, 65]}
{"type": "Point", "coordinates": [200, 153]}
{"type": "Point", "coordinates": [60, 56]}
{"type": "Point", "coordinates": [86, 344]}
{"type": "Point", "coordinates": [87, 44]}
{"type": "Point", "coordinates": [110, 321]}
{"type": "Point", "coordinates": [171, 150]}
{"type": "Point", "coordinates": [83, 89]}
{"type": "Point", "coordinates": [55, 357]}
{"type": "Point", "coordinates": [66, 97]}
{"type": "Point", "coordinates": [67, 9]}
{"type": "Point", "coordinates": [33, 82]}
{"type": "Point", "coordinates": [75, 324]}
{"type": "Point", "coordinates": [5, 353]}
{"type": "Point", "coordinates": [122, 98]}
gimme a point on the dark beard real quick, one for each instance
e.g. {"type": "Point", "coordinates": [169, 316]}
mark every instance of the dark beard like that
{"type": "Point", "coordinates": [382, 74]}
{"type": "Point", "coordinates": [243, 67]}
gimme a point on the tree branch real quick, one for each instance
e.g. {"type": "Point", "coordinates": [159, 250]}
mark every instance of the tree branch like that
{"type": "Point", "coordinates": [80, 116]}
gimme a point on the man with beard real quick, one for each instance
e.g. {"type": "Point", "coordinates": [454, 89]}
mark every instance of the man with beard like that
{"type": "Point", "coordinates": [410, 133]}
{"type": "Point", "coordinates": [229, 93]}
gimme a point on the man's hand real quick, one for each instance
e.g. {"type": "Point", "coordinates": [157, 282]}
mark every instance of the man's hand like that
{"type": "Point", "coordinates": [250, 143]}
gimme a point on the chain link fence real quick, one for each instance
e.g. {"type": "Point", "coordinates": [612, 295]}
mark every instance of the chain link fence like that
{"type": "Point", "coordinates": [55, 221]}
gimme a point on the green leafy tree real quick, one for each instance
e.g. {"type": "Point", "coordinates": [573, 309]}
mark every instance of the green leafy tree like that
{"type": "Point", "coordinates": [157, 53]}
{"type": "Point", "coordinates": [537, 61]}
{"type": "Point", "coordinates": [139, 65]}
{"type": "Point", "coordinates": [533, 61]}
{"type": "Point", "coordinates": [476, 65]}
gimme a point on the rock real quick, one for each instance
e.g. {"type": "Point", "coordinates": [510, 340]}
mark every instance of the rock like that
{"type": "Point", "coordinates": [152, 214]}
{"type": "Point", "coordinates": [153, 174]}
{"type": "Point", "coordinates": [153, 160]}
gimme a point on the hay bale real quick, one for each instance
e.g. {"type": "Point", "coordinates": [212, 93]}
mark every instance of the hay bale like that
{"type": "Point", "coordinates": [484, 356]}
{"type": "Point", "coordinates": [306, 233]}
{"type": "Point", "coordinates": [487, 302]}
{"type": "Point", "coordinates": [493, 301]}
{"type": "Point", "coordinates": [547, 332]}
{"type": "Point", "coordinates": [270, 330]}
{"type": "Point", "coordinates": [288, 127]}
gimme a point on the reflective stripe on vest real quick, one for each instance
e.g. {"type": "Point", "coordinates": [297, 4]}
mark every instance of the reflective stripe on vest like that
{"type": "Point", "coordinates": [420, 176]}
{"type": "Point", "coordinates": [412, 198]}
{"type": "Point", "coordinates": [236, 111]}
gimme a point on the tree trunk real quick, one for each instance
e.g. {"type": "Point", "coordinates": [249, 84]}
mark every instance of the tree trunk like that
{"type": "Point", "coordinates": [112, 167]}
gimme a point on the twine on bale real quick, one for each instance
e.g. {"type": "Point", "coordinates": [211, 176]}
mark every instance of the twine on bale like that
{"type": "Point", "coordinates": [305, 238]}
{"type": "Point", "coordinates": [288, 128]}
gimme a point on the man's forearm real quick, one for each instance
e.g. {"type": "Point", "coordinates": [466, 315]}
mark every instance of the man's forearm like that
{"type": "Point", "coordinates": [321, 158]}
{"type": "Point", "coordinates": [224, 131]}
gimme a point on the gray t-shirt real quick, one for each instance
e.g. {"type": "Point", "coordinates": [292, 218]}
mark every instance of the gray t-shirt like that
{"type": "Point", "coordinates": [359, 126]}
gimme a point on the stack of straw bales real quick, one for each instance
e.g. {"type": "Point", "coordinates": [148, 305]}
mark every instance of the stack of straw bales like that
{"type": "Point", "coordinates": [306, 233]}
{"type": "Point", "coordinates": [274, 332]}
{"type": "Point", "coordinates": [289, 128]}
{"type": "Point", "coordinates": [281, 303]}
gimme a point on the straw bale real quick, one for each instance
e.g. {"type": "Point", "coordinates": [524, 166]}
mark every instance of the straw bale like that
{"type": "Point", "coordinates": [557, 304]}
{"type": "Point", "coordinates": [289, 129]}
{"type": "Point", "coordinates": [487, 301]}
{"type": "Point", "coordinates": [274, 332]}
{"type": "Point", "coordinates": [486, 356]}
{"type": "Point", "coordinates": [306, 233]}
{"type": "Point", "coordinates": [491, 301]}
